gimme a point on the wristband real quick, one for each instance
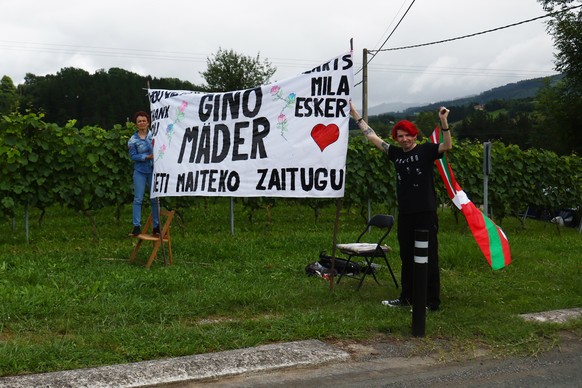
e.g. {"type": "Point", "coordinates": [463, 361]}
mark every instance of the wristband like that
{"type": "Point", "coordinates": [445, 129]}
{"type": "Point", "coordinates": [359, 120]}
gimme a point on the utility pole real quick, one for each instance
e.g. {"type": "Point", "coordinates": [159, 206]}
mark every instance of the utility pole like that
{"type": "Point", "coordinates": [365, 104]}
{"type": "Point", "coordinates": [365, 85]}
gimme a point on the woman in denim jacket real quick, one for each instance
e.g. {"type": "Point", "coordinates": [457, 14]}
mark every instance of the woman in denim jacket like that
{"type": "Point", "coordinates": [141, 152]}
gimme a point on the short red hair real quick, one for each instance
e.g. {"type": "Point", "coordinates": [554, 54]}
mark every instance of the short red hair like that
{"type": "Point", "coordinates": [406, 126]}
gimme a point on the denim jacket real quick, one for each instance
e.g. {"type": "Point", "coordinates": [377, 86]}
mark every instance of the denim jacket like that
{"type": "Point", "coordinates": [138, 150]}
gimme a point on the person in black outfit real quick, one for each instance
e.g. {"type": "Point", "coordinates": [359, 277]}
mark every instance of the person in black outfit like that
{"type": "Point", "coordinates": [414, 164]}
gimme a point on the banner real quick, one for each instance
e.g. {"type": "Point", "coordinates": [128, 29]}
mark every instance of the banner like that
{"type": "Point", "coordinates": [489, 237]}
{"type": "Point", "coordinates": [285, 139]}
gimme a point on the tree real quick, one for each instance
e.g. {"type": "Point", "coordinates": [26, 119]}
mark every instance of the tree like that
{"type": "Point", "coordinates": [230, 71]}
{"type": "Point", "coordinates": [475, 126]}
{"type": "Point", "coordinates": [566, 28]}
{"type": "Point", "coordinates": [426, 121]}
{"type": "Point", "coordinates": [8, 96]}
{"type": "Point", "coordinates": [105, 98]}
{"type": "Point", "coordinates": [558, 121]}
{"type": "Point", "coordinates": [559, 118]}
{"type": "Point", "coordinates": [74, 87]}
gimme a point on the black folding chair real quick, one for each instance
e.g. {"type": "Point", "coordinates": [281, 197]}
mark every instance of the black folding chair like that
{"type": "Point", "coordinates": [370, 251]}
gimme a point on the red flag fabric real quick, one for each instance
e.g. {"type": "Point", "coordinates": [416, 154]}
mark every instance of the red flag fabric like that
{"type": "Point", "coordinates": [491, 239]}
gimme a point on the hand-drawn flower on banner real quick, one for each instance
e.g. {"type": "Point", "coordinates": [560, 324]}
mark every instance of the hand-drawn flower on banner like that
{"type": "Point", "coordinates": [161, 152]}
{"type": "Point", "coordinates": [170, 128]}
{"type": "Point", "coordinates": [289, 101]}
{"type": "Point", "coordinates": [282, 124]}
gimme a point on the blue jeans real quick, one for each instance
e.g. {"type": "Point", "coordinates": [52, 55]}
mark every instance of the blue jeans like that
{"type": "Point", "coordinates": [140, 182]}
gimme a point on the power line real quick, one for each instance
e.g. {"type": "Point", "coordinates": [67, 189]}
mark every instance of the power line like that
{"type": "Point", "coordinates": [392, 21]}
{"type": "Point", "coordinates": [477, 33]}
{"type": "Point", "coordinates": [375, 52]}
{"type": "Point", "coordinates": [197, 57]}
{"type": "Point", "coordinates": [389, 36]}
{"type": "Point", "coordinates": [459, 70]}
{"type": "Point", "coordinates": [116, 52]}
{"type": "Point", "coordinates": [101, 51]}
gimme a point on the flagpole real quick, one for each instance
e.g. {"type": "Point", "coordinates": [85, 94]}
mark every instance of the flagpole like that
{"type": "Point", "coordinates": [158, 209]}
{"type": "Point", "coordinates": [338, 206]}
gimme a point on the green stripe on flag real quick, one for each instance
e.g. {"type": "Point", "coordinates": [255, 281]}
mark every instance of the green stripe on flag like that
{"type": "Point", "coordinates": [495, 246]}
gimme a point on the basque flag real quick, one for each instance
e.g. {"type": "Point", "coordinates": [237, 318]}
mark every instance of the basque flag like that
{"type": "Point", "coordinates": [490, 238]}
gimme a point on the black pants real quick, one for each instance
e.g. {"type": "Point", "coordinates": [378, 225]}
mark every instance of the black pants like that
{"type": "Point", "coordinates": [407, 224]}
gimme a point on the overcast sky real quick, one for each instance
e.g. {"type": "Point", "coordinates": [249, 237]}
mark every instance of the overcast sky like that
{"type": "Point", "coordinates": [175, 38]}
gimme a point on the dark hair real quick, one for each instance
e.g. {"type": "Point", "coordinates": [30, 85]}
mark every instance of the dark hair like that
{"type": "Point", "coordinates": [140, 113]}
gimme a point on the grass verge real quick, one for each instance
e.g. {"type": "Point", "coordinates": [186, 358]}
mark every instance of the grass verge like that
{"type": "Point", "coordinates": [69, 302]}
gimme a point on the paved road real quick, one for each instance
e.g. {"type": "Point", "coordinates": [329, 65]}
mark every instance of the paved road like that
{"type": "Point", "coordinates": [561, 367]}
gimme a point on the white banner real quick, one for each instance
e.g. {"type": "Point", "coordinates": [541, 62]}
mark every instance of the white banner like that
{"type": "Point", "coordinates": [285, 139]}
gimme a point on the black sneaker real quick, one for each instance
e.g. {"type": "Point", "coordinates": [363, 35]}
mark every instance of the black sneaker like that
{"type": "Point", "coordinates": [135, 231]}
{"type": "Point", "coordinates": [156, 231]}
{"type": "Point", "coordinates": [396, 303]}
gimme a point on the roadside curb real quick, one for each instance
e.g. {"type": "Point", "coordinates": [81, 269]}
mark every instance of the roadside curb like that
{"type": "Point", "coordinates": [188, 368]}
{"type": "Point", "coordinates": [554, 316]}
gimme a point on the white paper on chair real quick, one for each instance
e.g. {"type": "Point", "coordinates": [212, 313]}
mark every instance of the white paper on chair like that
{"type": "Point", "coordinates": [359, 248]}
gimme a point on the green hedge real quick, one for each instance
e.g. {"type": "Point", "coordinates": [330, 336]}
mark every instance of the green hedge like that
{"type": "Point", "coordinates": [88, 168]}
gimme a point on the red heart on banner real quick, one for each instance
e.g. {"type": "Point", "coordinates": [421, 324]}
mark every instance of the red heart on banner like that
{"type": "Point", "coordinates": [325, 135]}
